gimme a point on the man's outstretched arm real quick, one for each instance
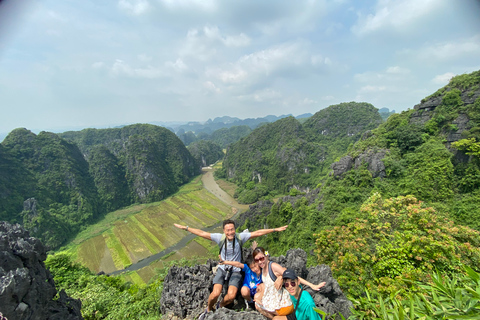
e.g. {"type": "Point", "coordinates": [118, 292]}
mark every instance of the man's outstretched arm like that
{"type": "Point", "coordinates": [197, 232]}
{"type": "Point", "coordinates": [263, 232]}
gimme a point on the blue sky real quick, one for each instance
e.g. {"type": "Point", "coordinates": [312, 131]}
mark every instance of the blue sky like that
{"type": "Point", "coordinates": [77, 64]}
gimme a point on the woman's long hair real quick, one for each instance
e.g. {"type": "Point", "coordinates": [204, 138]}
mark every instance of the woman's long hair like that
{"type": "Point", "coordinates": [258, 250]}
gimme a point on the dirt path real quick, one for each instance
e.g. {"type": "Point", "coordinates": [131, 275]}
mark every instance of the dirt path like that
{"type": "Point", "coordinates": [211, 185]}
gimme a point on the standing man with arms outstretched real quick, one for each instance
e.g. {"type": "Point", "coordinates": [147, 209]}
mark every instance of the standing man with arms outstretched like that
{"type": "Point", "coordinates": [231, 250]}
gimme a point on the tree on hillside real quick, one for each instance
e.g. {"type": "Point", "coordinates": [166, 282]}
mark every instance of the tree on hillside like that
{"type": "Point", "coordinates": [394, 239]}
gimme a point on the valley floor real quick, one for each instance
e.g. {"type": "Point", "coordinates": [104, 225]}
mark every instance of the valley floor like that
{"type": "Point", "coordinates": [136, 241]}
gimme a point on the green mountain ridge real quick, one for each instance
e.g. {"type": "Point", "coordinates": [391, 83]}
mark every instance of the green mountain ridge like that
{"type": "Point", "coordinates": [72, 179]}
{"type": "Point", "coordinates": [288, 154]}
{"type": "Point", "coordinates": [430, 152]}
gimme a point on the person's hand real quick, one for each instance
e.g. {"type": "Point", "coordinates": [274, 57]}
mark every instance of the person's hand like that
{"type": "Point", "coordinates": [279, 229]}
{"type": "Point", "coordinates": [179, 226]}
{"type": "Point", "coordinates": [254, 245]}
{"type": "Point", "coordinates": [317, 287]}
{"type": "Point", "coordinates": [278, 283]}
{"type": "Point", "coordinates": [221, 262]}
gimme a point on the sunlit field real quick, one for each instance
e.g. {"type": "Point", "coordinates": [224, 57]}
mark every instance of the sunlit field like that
{"type": "Point", "coordinates": [129, 235]}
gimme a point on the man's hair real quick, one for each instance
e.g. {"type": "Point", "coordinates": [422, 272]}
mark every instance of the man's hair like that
{"type": "Point", "coordinates": [228, 221]}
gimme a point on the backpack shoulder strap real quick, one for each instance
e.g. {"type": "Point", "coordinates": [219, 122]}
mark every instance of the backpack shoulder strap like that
{"type": "Point", "coordinates": [270, 271]}
{"type": "Point", "coordinates": [299, 297]}
{"type": "Point", "coordinates": [240, 242]}
{"type": "Point", "coordinates": [222, 242]}
{"type": "Point", "coordinates": [224, 238]}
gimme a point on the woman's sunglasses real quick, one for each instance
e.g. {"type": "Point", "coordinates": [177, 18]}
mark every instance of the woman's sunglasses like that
{"type": "Point", "coordinates": [288, 284]}
{"type": "Point", "coordinates": [259, 259]}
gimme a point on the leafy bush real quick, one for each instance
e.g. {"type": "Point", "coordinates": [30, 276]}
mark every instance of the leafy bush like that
{"type": "Point", "coordinates": [103, 296]}
{"type": "Point", "coordinates": [394, 239]}
{"type": "Point", "coordinates": [444, 297]}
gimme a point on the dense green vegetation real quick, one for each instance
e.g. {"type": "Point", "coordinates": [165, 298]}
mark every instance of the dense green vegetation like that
{"type": "Point", "coordinates": [72, 179]}
{"type": "Point", "coordinates": [288, 154]}
{"type": "Point", "coordinates": [105, 297]}
{"type": "Point", "coordinates": [444, 297]}
{"type": "Point", "coordinates": [205, 152]}
{"type": "Point", "coordinates": [395, 238]}
{"type": "Point", "coordinates": [373, 231]}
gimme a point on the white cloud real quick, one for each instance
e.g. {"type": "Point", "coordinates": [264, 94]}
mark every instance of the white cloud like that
{"type": "Point", "coordinates": [372, 89]}
{"type": "Point", "coordinates": [307, 101]}
{"type": "Point", "coordinates": [232, 76]}
{"type": "Point", "coordinates": [135, 7]}
{"type": "Point", "coordinates": [210, 86]}
{"type": "Point", "coordinates": [443, 79]}
{"type": "Point", "coordinates": [120, 68]}
{"type": "Point", "coordinates": [198, 46]}
{"type": "Point", "coordinates": [213, 33]}
{"type": "Point", "coordinates": [265, 95]}
{"type": "Point", "coordinates": [397, 70]}
{"type": "Point", "coordinates": [285, 60]}
{"type": "Point", "coordinates": [450, 50]}
{"type": "Point", "coordinates": [395, 14]}
{"type": "Point", "coordinates": [390, 74]}
{"type": "Point", "coordinates": [178, 65]}
{"type": "Point", "coordinates": [206, 5]}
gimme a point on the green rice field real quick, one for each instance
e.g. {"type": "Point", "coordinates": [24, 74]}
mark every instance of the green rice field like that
{"type": "Point", "coordinates": [131, 234]}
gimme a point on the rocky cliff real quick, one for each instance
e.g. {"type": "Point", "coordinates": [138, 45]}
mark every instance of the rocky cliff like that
{"type": "Point", "coordinates": [27, 290]}
{"type": "Point", "coordinates": [186, 290]}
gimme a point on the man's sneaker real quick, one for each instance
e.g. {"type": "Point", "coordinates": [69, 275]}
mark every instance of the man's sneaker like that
{"type": "Point", "coordinates": [203, 315]}
{"type": "Point", "coordinates": [251, 305]}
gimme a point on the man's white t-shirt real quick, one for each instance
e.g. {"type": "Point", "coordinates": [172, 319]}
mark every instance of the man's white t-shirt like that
{"type": "Point", "coordinates": [230, 254]}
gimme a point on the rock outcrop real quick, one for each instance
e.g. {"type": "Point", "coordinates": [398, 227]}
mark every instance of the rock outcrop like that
{"type": "Point", "coordinates": [27, 289]}
{"type": "Point", "coordinates": [186, 290]}
{"type": "Point", "coordinates": [372, 158]}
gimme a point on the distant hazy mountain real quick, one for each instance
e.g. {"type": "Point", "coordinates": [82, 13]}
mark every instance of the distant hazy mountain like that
{"type": "Point", "coordinates": [224, 130]}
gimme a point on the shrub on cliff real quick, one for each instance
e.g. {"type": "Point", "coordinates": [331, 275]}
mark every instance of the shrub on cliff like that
{"type": "Point", "coordinates": [395, 239]}
{"type": "Point", "coordinates": [103, 296]}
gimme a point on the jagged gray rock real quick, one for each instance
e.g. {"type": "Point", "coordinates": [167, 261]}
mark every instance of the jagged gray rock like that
{"type": "Point", "coordinates": [27, 289]}
{"type": "Point", "coordinates": [341, 166]}
{"type": "Point", "coordinates": [186, 290]}
{"type": "Point", "coordinates": [373, 159]}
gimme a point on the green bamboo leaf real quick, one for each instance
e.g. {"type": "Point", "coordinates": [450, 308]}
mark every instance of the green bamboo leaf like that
{"type": "Point", "coordinates": [469, 316]}
{"type": "Point", "coordinates": [401, 312]}
{"type": "Point", "coordinates": [321, 312]}
{"type": "Point", "coordinates": [458, 301]}
{"type": "Point", "coordinates": [475, 294]}
{"type": "Point", "coordinates": [472, 274]}
{"type": "Point", "coordinates": [382, 309]}
{"type": "Point", "coordinates": [412, 308]}
{"type": "Point", "coordinates": [426, 304]}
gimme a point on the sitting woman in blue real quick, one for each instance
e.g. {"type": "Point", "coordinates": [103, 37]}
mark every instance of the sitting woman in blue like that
{"type": "Point", "coordinates": [253, 277]}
